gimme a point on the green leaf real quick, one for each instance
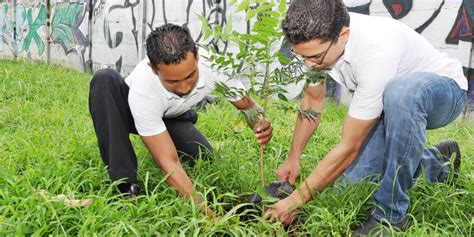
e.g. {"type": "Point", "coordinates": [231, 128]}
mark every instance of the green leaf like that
{"type": "Point", "coordinates": [283, 59]}
{"type": "Point", "coordinates": [282, 7]}
{"type": "Point", "coordinates": [262, 192]}
{"type": "Point", "coordinates": [265, 7]}
{"type": "Point", "coordinates": [228, 26]}
{"type": "Point", "coordinates": [308, 114]}
{"type": "Point", "coordinates": [243, 6]}
{"type": "Point", "coordinates": [282, 97]}
{"type": "Point", "coordinates": [250, 14]}
{"type": "Point", "coordinates": [270, 21]}
{"type": "Point", "coordinates": [207, 31]}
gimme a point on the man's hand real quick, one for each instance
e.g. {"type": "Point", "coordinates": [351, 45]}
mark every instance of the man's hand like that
{"type": "Point", "coordinates": [263, 131]}
{"type": "Point", "coordinates": [208, 211]}
{"type": "Point", "coordinates": [254, 116]}
{"type": "Point", "coordinates": [165, 155]}
{"type": "Point", "coordinates": [285, 211]}
{"type": "Point", "coordinates": [204, 207]}
{"type": "Point", "coordinates": [290, 170]}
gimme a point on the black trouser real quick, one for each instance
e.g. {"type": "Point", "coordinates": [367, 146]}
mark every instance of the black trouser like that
{"type": "Point", "coordinates": [113, 122]}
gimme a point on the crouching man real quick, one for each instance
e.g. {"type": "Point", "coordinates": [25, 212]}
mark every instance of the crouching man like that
{"type": "Point", "coordinates": [402, 87]}
{"type": "Point", "coordinates": [155, 102]}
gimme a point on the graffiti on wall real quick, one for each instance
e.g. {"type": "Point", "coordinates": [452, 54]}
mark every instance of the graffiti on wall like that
{"type": "Point", "coordinates": [463, 25]}
{"type": "Point", "coordinates": [98, 9]}
{"type": "Point", "coordinates": [213, 10]}
{"type": "Point", "coordinates": [65, 30]}
{"type": "Point", "coordinates": [116, 33]}
{"type": "Point", "coordinates": [111, 33]}
{"type": "Point", "coordinates": [398, 8]}
{"type": "Point", "coordinates": [461, 29]}
{"type": "Point", "coordinates": [113, 42]}
{"type": "Point", "coordinates": [34, 24]}
{"type": "Point", "coordinates": [24, 31]}
{"type": "Point", "coordinates": [6, 29]}
{"type": "Point", "coordinates": [121, 26]}
{"type": "Point", "coordinates": [29, 29]}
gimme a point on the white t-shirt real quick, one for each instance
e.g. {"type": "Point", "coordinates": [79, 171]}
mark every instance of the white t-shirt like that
{"type": "Point", "coordinates": [380, 49]}
{"type": "Point", "coordinates": [150, 102]}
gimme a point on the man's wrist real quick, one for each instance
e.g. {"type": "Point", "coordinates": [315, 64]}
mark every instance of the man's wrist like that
{"type": "Point", "coordinates": [294, 156]}
{"type": "Point", "coordinates": [298, 198]}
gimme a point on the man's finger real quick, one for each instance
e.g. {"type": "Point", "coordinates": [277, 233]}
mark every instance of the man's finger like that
{"type": "Point", "coordinates": [266, 125]}
{"type": "Point", "coordinates": [267, 132]}
{"type": "Point", "coordinates": [292, 179]}
{"type": "Point", "coordinates": [282, 175]}
{"type": "Point", "coordinates": [289, 218]}
{"type": "Point", "coordinates": [263, 129]}
{"type": "Point", "coordinates": [268, 214]}
{"type": "Point", "coordinates": [263, 140]}
{"type": "Point", "coordinates": [272, 218]}
{"type": "Point", "coordinates": [261, 126]}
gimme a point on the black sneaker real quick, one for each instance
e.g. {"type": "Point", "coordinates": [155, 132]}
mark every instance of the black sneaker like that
{"type": "Point", "coordinates": [446, 149]}
{"type": "Point", "coordinates": [129, 190]}
{"type": "Point", "coordinates": [374, 227]}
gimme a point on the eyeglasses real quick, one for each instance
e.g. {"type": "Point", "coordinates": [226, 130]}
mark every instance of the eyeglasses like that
{"type": "Point", "coordinates": [318, 58]}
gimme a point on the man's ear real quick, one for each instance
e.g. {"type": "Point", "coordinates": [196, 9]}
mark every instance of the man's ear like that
{"type": "Point", "coordinates": [344, 34]}
{"type": "Point", "coordinates": [153, 69]}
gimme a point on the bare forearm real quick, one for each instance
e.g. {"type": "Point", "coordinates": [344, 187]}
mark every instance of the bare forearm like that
{"type": "Point", "coordinates": [178, 179]}
{"type": "Point", "coordinates": [304, 129]}
{"type": "Point", "coordinates": [329, 169]}
{"type": "Point", "coordinates": [305, 126]}
{"type": "Point", "coordinates": [166, 157]}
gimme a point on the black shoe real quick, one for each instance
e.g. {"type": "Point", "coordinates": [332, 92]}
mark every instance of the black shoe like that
{"type": "Point", "coordinates": [446, 149]}
{"type": "Point", "coordinates": [129, 190]}
{"type": "Point", "coordinates": [374, 227]}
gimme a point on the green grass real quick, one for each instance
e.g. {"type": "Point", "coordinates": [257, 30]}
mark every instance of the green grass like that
{"type": "Point", "coordinates": [48, 147]}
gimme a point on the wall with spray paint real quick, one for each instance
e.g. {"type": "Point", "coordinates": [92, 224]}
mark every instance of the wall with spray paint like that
{"type": "Point", "coordinates": [447, 24]}
{"type": "Point", "coordinates": [94, 34]}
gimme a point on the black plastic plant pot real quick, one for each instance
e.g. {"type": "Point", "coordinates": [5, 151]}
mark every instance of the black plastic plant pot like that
{"type": "Point", "coordinates": [277, 189]}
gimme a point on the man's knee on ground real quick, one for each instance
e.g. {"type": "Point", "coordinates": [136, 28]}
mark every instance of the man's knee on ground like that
{"type": "Point", "coordinates": [104, 77]}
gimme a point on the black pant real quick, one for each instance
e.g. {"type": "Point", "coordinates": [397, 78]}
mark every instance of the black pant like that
{"type": "Point", "coordinates": [113, 122]}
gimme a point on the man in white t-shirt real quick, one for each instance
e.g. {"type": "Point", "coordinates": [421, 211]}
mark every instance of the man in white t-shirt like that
{"type": "Point", "coordinates": [401, 87]}
{"type": "Point", "coordinates": [155, 102]}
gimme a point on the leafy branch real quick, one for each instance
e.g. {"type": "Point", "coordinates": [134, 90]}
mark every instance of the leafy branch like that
{"type": "Point", "coordinates": [257, 57]}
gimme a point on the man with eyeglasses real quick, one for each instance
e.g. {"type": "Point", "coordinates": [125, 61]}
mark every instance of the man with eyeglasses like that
{"type": "Point", "coordinates": [317, 58]}
{"type": "Point", "coordinates": [401, 86]}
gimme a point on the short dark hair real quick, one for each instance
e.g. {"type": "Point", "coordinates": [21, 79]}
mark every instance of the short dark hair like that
{"type": "Point", "coordinates": [308, 20]}
{"type": "Point", "coordinates": [169, 44]}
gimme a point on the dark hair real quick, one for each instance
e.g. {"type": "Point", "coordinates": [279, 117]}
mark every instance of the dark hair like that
{"type": "Point", "coordinates": [169, 44]}
{"type": "Point", "coordinates": [308, 20]}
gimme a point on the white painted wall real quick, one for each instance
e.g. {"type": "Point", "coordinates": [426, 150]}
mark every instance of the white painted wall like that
{"type": "Point", "coordinates": [115, 34]}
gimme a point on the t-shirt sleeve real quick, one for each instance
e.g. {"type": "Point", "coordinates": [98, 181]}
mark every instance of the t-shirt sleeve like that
{"type": "Point", "coordinates": [147, 114]}
{"type": "Point", "coordinates": [373, 73]}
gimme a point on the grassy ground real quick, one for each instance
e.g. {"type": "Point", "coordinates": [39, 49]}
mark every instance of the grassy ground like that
{"type": "Point", "coordinates": [48, 148]}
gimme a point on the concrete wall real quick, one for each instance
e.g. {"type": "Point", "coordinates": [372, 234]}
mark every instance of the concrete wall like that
{"type": "Point", "coordinates": [93, 34]}
{"type": "Point", "coordinates": [447, 24]}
